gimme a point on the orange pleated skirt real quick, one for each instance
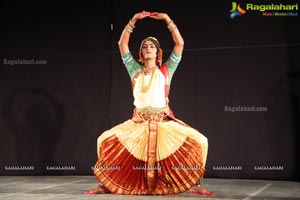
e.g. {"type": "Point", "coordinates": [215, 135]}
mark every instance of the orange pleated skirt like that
{"type": "Point", "coordinates": [153, 157]}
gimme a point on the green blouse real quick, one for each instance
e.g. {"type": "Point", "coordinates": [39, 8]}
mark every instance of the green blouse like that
{"type": "Point", "coordinates": [134, 67]}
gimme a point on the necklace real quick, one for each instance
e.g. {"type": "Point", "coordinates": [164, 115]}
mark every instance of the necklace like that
{"type": "Point", "coordinates": [149, 70]}
{"type": "Point", "coordinates": [145, 88]}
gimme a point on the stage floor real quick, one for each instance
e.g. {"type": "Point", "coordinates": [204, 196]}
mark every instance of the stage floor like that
{"type": "Point", "coordinates": [73, 187]}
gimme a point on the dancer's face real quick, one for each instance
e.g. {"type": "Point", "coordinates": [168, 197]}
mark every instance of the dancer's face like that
{"type": "Point", "coordinates": [149, 50]}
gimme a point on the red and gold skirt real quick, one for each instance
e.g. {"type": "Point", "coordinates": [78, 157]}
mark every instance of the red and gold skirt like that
{"type": "Point", "coordinates": [151, 154]}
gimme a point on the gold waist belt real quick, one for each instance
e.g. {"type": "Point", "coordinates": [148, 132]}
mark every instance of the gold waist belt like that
{"type": "Point", "coordinates": [151, 113]}
{"type": "Point", "coordinates": [151, 110]}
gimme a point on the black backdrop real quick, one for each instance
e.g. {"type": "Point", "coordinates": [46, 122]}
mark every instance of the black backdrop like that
{"type": "Point", "coordinates": [52, 113]}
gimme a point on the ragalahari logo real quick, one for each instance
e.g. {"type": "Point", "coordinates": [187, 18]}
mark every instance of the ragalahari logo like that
{"type": "Point", "coordinates": [236, 10]}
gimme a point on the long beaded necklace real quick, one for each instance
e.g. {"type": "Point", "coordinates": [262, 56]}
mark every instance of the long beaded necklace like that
{"type": "Point", "coordinates": [145, 88]}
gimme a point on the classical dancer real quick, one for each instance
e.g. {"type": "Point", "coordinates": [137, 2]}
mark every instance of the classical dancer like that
{"type": "Point", "coordinates": [153, 152]}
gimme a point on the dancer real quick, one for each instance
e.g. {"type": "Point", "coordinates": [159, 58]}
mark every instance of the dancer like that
{"type": "Point", "coordinates": [153, 153]}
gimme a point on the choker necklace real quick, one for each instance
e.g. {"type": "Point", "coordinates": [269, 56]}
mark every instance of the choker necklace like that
{"type": "Point", "coordinates": [145, 88]}
{"type": "Point", "coordinates": [148, 71]}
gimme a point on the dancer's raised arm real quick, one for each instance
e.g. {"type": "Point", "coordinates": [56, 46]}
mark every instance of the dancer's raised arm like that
{"type": "Point", "coordinates": [177, 38]}
{"type": "Point", "coordinates": [128, 29]}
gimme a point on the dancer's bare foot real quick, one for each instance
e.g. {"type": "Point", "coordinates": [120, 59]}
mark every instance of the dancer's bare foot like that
{"type": "Point", "coordinates": [201, 190]}
{"type": "Point", "coordinates": [99, 189]}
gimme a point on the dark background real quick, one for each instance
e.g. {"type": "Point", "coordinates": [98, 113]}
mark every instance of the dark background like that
{"type": "Point", "coordinates": [51, 114]}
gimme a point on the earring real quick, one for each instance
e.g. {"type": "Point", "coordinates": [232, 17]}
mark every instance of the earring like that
{"type": "Point", "coordinates": [141, 58]}
{"type": "Point", "coordinates": [159, 56]}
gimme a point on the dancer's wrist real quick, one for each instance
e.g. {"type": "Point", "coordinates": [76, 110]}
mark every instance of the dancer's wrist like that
{"type": "Point", "coordinates": [130, 26]}
{"type": "Point", "coordinates": [132, 21]}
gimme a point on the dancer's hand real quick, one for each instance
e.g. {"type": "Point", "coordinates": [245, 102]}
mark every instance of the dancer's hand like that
{"type": "Point", "coordinates": [160, 16]}
{"type": "Point", "coordinates": [140, 15]}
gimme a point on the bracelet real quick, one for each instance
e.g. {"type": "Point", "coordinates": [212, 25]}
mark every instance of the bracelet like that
{"type": "Point", "coordinates": [129, 27]}
{"type": "Point", "coordinates": [130, 24]}
{"type": "Point", "coordinates": [171, 26]}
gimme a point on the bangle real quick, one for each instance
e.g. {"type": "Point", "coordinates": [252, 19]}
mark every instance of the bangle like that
{"type": "Point", "coordinates": [130, 24]}
{"type": "Point", "coordinates": [171, 26]}
{"type": "Point", "coordinates": [129, 27]}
